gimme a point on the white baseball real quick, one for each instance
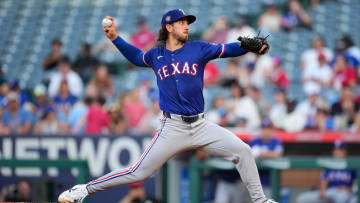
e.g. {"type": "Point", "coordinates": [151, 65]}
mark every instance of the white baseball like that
{"type": "Point", "coordinates": [106, 22]}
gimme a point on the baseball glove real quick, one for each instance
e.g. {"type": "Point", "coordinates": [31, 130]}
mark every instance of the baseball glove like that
{"type": "Point", "coordinates": [257, 45]}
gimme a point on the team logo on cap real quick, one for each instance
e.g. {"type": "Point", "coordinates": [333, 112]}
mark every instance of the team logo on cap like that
{"type": "Point", "coordinates": [182, 11]}
{"type": "Point", "coordinates": [168, 18]}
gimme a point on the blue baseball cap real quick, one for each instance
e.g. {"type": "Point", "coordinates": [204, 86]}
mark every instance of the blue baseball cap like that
{"type": "Point", "coordinates": [49, 109]}
{"type": "Point", "coordinates": [266, 123]}
{"type": "Point", "coordinates": [175, 15]}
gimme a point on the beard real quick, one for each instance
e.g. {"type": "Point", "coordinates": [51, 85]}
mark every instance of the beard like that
{"type": "Point", "coordinates": [181, 38]}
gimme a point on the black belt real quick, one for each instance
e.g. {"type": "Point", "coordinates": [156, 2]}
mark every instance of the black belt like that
{"type": "Point", "coordinates": [186, 119]}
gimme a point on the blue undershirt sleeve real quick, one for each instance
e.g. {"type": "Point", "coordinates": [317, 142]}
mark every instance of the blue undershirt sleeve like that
{"type": "Point", "coordinates": [131, 53]}
{"type": "Point", "coordinates": [232, 50]}
{"type": "Point", "coordinates": [212, 51]}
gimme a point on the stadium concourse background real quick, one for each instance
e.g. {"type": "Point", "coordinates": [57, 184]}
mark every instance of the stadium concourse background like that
{"type": "Point", "coordinates": [66, 93]}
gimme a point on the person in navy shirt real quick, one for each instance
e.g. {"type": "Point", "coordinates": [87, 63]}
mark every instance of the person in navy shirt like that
{"type": "Point", "coordinates": [336, 184]}
{"type": "Point", "coordinates": [266, 146]}
{"type": "Point", "coordinates": [179, 69]}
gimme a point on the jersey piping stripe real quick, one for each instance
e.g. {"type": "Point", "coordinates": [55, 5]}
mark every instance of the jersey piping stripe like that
{"type": "Point", "coordinates": [148, 149]}
{"type": "Point", "coordinates": [222, 51]}
{"type": "Point", "coordinates": [143, 57]}
{"type": "Point", "coordinates": [136, 166]}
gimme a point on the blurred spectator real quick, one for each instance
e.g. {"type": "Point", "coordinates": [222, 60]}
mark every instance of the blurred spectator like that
{"type": "Point", "coordinates": [257, 96]}
{"type": "Point", "coordinates": [344, 111]}
{"type": "Point", "coordinates": [245, 71]}
{"type": "Point", "coordinates": [336, 184]}
{"type": "Point", "coordinates": [49, 125]}
{"type": "Point", "coordinates": [64, 72]}
{"type": "Point", "coordinates": [98, 121]}
{"type": "Point", "coordinates": [86, 63]}
{"type": "Point", "coordinates": [145, 89]}
{"type": "Point", "coordinates": [278, 75]}
{"type": "Point", "coordinates": [351, 52]}
{"type": "Point", "coordinates": [42, 102]}
{"type": "Point", "coordinates": [144, 38]}
{"type": "Point", "coordinates": [310, 105]}
{"type": "Point", "coordinates": [240, 123]}
{"type": "Point", "coordinates": [343, 75]}
{"type": "Point", "coordinates": [137, 194]}
{"type": "Point", "coordinates": [21, 192]}
{"type": "Point", "coordinates": [106, 51]}
{"type": "Point", "coordinates": [279, 109]}
{"type": "Point", "coordinates": [150, 121]}
{"type": "Point", "coordinates": [31, 108]}
{"type": "Point", "coordinates": [218, 31]}
{"type": "Point", "coordinates": [211, 74]}
{"type": "Point", "coordinates": [262, 70]}
{"type": "Point", "coordinates": [323, 120]}
{"type": "Point", "coordinates": [51, 62]}
{"type": "Point", "coordinates": [118, 122]}
{"type": "Point", "coordinates": [134, 110]}
{"type": "Point", "coordinates": [92, 92]}
{"type": "Point", "coordinates": [64, 100]}
{"type": "Point", "coordinates": [293, 121]}
{"type": "Point", "coordinates": [250, 67]}
{"type": "Point", "coordinates": [355, 127]}
{"type": "Point", "coordinates": [209, 179]}
{"type": "Point", "coordinates": [295, 16]}
{"type": "Point", "coordinates": [310, 58]}
{"type": "Point", "coordinates": [218, 112]}
{"type": "Point", "coordinates": [229, 187]}
{"type": "Point", "coordinates": [3, 193]}
{"type": "Point", "coordinates": [77, 116]}
{"type": "Point", "coordinates": [241, 29]}
{"type": "Point", "coordinates": [102, 82]}
{"type": "Point", "coordinates": [4, 89]}
{"type": "Point", "coordinates": [351, 48]}
{"type": "Point", "coordinates": [266, 146]}
{"type": "Point", "coordinates": [15, 119]}
{"type": "Point", "coordinates": [318, 75]}
{"type": "Point", "coordinates": [230, 74]}
{"type": "Point", "coordinates": [241, 105]}
{"type": "Point", "coordinates": [2, 77]}
{"type": "Point", "coordinates": [270, 20]}
{"type": "Point", "coordinates": [23, 95]}
{"type": "Point", "coordinates": [231, 104]}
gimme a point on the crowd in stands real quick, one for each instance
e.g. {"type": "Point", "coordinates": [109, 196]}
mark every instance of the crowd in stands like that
{"type": "Point", "coordinates": [78, 96]}
{"type": "Point", "coordinates": [19, 192]}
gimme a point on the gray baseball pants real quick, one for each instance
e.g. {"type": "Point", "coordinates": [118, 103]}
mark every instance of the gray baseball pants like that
{"type": "Point", "coordinates": [176, 136]}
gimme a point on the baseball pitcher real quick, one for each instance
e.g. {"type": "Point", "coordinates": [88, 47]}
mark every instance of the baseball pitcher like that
{"type": "Point", "coordinates": [179, 69]}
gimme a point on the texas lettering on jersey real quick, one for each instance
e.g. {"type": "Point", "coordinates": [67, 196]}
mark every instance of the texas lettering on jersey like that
{"type": "Point", "coordinates": [177, 68]}
{"type": "Point", "coordinates": [180, 75]}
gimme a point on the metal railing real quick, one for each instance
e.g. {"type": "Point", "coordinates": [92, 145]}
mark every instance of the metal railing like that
{"type": "Point", "coordinates": [275, 166]}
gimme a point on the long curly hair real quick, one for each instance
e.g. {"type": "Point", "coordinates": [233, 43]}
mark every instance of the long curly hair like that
{"type": "Point", "coordinates": [163, 35]}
